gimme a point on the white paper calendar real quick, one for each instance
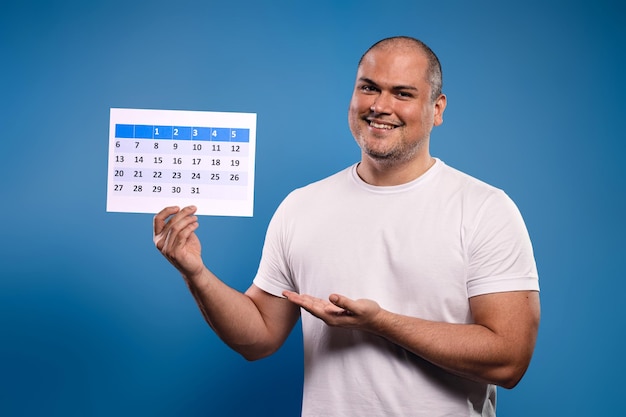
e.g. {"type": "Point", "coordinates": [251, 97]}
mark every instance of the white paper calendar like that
{"type": "Point", "coordinates": [160, 158]}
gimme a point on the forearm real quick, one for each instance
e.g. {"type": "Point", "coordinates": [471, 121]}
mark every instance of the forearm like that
{"type": "Point", "coordinates": [232, 315]}
{"type": "Point", "coordinates": [254, 324]}
{"type": "Point", "coordinates": [496, 349]}
{"type": "Point", "coordinates": [469, 350]}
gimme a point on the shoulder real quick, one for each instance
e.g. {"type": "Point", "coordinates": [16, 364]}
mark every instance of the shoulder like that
{"type": "Point", "coordinates": [311, 196]}
{"type": "Point", "coordinates": [465, 187]}
{"type": "Point", "coordinates": [477, 199]}
{"type": "Point", "coordinates": [461, 179]}
{"type": "Point", "coordinates": [331, 185]}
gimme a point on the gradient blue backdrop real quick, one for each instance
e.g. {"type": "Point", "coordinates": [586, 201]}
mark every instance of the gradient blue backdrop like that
{"type": "Point", "coordinates": [93, 322]}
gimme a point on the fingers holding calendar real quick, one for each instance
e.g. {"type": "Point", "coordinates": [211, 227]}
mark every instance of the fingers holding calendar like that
{"type": "Point", "coordinates": [160, 221]}
{"type": "Point", "coordinates": [174, 236]}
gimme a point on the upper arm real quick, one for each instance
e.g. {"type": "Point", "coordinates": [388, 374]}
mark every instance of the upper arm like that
{"type": "Point", "coordinates": [279, 316]}
{"type": "Point", "coordinates": [514, 318]}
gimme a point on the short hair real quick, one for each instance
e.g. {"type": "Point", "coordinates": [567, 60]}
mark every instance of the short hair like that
{"type": "Point", "coordinates": [434, 74]}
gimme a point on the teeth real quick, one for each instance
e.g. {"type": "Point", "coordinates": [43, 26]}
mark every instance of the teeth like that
{"type": "Point", "coordinates": [381, 126]}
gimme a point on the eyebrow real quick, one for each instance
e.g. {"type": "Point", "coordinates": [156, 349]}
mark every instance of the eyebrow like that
{"type": "Point", "coordinates": [396, 87]}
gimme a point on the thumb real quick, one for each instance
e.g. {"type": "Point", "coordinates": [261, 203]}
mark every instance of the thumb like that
{"type": "Point", "coordinates": [340, 301]}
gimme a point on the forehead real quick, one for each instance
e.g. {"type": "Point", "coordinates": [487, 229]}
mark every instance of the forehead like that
{"type": "Point", "coordinates": [394, 65]}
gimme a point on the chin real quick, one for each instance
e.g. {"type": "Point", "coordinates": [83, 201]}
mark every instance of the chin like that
{"type": "Point", "coordinates": [380, 156]}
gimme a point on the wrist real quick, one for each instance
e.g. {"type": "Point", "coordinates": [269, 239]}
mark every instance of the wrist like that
{"type": "Point", "coordinates": [197, 278]}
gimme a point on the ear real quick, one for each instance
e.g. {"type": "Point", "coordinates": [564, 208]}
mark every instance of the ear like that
{"type": "Point", "coordinates": [440, 106]}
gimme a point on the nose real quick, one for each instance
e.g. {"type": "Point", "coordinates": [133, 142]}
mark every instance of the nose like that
{"type": "Point", "coordinates": [382, 104]}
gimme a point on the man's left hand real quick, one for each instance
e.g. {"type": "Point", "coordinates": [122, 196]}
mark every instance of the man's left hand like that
{"type": "Point", "coordinates": [338, 311]}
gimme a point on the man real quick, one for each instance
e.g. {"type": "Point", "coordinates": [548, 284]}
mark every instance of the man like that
{"type": "Point", "coordinates": [417, 283]}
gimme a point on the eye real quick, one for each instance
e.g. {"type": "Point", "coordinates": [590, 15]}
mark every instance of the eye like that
{"type": "Point", "coordinates": [404, 94]}
{"type": "Point", "coordinates": [367, 88]}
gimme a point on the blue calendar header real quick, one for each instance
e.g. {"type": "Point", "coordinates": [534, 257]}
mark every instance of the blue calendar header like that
{"type": "Point", "coordinates": [220, 134]}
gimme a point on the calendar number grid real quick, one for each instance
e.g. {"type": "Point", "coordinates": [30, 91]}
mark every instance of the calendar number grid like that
{"type": "Point", "coordinates": [153, 165]}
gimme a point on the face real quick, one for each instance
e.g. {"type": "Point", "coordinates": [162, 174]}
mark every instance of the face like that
{"type": "Point", "coordinates": [391, 112]}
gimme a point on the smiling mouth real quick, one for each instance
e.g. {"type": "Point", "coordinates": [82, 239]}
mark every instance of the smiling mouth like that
{"type": "Point", "coordinates": [379, 125]}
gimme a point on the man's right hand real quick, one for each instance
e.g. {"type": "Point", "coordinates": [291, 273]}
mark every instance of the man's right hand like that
{"type": "Point", "coordinates": [174, 236]}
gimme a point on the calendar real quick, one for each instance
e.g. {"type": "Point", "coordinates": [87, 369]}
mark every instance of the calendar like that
{"type": "Point", "coordinates": [160, 158]}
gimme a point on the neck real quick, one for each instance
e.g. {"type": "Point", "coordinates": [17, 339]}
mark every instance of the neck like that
{"type": "Point", "coordinates": [385, 173]}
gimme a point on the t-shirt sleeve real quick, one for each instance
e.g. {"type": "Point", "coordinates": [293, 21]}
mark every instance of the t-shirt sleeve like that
{"type": "Point", "coordinates": [500, 253]}
{"type": "Point", "coordinates": [274, 275]}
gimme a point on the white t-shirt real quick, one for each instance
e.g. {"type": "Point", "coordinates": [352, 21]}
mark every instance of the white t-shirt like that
{"type": "Point", "coordinates": [420, 249]}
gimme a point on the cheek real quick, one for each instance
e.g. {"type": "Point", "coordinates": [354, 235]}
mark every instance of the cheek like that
{"type": "Point", "coordinates": [422, 118]}
{"type": "Point", "coordinates": [353, 115]}
{"type": "Point", "coordinates": [360, 103]}
{"type": "Point", "coordinates": [353, 124]}
{"type": "Point", "coordinates": [352, 108]}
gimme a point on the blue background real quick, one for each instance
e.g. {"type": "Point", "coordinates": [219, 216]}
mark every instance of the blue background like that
{"type": "Point", "coordinates": [94, 322]}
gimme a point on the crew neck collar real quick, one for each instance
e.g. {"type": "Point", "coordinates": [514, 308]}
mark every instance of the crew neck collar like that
{"type": "Point", "coordinates": [388, 189]}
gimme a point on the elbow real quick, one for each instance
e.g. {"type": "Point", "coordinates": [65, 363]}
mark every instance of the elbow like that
{"type": "Point", "coordinates": [510, 383]}
{"type": "Point", "coordinates": [510, 376]}
{"type": "Point", "coordinates": [252, 356]}
{"type": "Point", "coordinates": [254, 353]}
{"type": "Point", "coordinates": [511, 371]}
